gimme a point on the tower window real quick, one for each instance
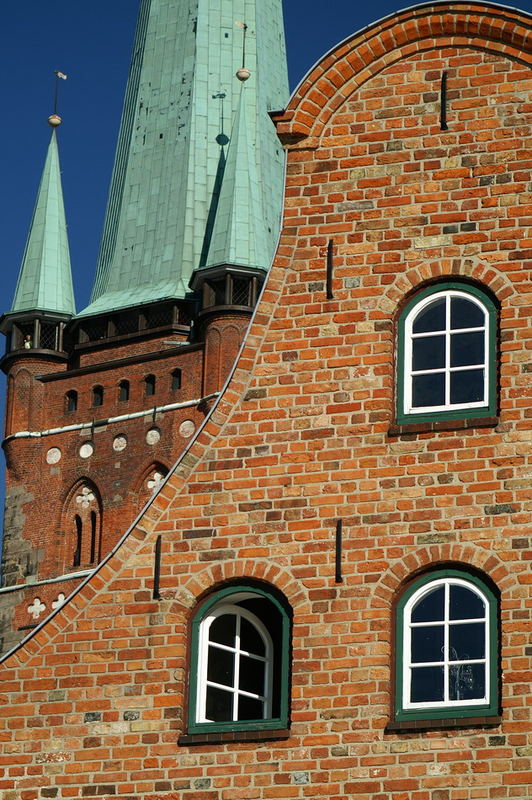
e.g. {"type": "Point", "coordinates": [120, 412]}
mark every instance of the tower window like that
{"type": "Point", "coordinates": [176, 380]}
{"type": "Point", "coordinates": [240, 295]}
{"type": "Point", "coordinates": [123, 391]}
{"type": "Point", "coordinates": [97, 396]}
{"type": "Point", "coordinates": [149, 385]}
{"type": "Point", "coordinates": [86, 525]}
{"type": "Point", "coordinates": [48, 336]}
{"type": "Point", "coordinates": [76, 561]}
{"type": "Point", "coordinates": [71, 401]}
{"type": "Point", "coordinates": [94, 529]}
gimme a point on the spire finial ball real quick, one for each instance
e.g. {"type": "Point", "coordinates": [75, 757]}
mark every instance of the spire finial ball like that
{"type": "Point", "coordinates": [243, 74]}
{"type": "Point", "coordinates": [54, 120]}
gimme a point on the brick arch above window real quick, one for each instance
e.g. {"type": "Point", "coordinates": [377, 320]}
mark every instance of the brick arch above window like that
{"type": "Point", "coordinates": [461, 556]}
{"type": "Point", "coordinates": [426, 272]}
{"type": "Point", "coordinates": [201, 584]}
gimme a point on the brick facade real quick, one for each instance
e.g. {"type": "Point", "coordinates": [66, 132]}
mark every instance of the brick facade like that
{"type": "Point", "coordinates": [95, 701]}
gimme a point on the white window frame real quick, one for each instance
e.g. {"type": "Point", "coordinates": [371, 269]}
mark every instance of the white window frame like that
{"type": "Point", "coordinates": [203, 656]}
{"type": "Point", "coordinates": [446, 662]}
{"type": "Point", "coordinates": [409, 337]}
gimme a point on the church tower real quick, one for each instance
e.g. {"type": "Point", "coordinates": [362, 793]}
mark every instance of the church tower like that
{"type": "Point", "coordinates": [101, 402]}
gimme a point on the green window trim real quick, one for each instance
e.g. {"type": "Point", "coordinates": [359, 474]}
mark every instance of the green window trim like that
{"type": "Point", "coordinates": [452, 710]}
{"type": "Point", "coordinates": [282, 651]}
{"type": "Point", "coordinates": [487, 409]}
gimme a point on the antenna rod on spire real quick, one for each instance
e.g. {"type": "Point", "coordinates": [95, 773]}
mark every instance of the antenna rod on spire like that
{"type": "Point", "coordinates": [244, 29]}
{"type": "Point", "coordinates": [58, 75]}
{"type": "Point", "coordinates": [243, 73]}
{"type": "Point", "coordinates": [244, 47]}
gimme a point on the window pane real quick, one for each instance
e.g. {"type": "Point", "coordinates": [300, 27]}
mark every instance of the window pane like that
{"type": "Point", "coordinates": [220, 668]}
{"type": "Point", "coordinates": [427, 684]}
{"type": "Point", "coordinates": [427, 644]}
{"type": "Point", "coordinates": [251, 675]}
{"type": "Point", "coordinates": [465, 314]}
{"type": "Point", "coordinates": [223, 630]}
{"type": "Point", "coordinates": [249, 708]}
{"type": "Point", "coordinates": [467, 682]}
{"type": "Point", "coordinates": [465, 604]}
{"type": "Point", "coordinates": [430, 607]}
{"type": "Point", "coordinates": [467, 641]}
{"type": "Point", "coordinates": [428, 353]}
{"type": "Point", "coordinates": [467, 386]}
{"type": "Point", "coordinates": [250, 639]}
{"type": "Point", "coordinates": [432, 318]}
{"type": "Point", "coordinates": [428, 390]}
{"type": "Point", "coordinates": [467, 348]}
{"type": "Point", "coordinates": [219, 705]}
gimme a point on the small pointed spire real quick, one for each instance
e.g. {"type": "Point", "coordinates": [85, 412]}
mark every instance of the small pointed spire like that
{"type": "Point", "coordinates": [239, 235]}
{"type": "Point", "coordinates": [45, 278]}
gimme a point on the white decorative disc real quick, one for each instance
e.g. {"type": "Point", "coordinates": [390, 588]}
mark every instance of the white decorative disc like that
{"type": "Point", "coordinates": [186, 429]}
{"type": "Point", "coordinates": [153, 436]}
{"type": "Point", "coordinates": [120, 443]}
{"type": "Point", "coordinates": [86, 450]}
{"type": "Point", "coordinates": [53, 455]}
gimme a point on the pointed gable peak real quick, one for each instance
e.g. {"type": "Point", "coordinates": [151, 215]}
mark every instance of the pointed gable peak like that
{"type": "Point", "coordinates": [45, 278]}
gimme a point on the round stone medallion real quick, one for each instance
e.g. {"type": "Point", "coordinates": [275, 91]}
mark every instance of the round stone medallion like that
{"type": "Point", "coordinates": [86, 450]}
{"type": "Point", "coordinates": [186, 429]}
{"type": "Point", "coordinates": [53, 455]}
{"type": "Point", "coordinates": [153, 436]}
{"type": "Point", "coordinates": [120, 443]}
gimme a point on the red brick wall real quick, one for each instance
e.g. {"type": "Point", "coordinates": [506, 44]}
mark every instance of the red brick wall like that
{"type": "Point", "coordinates": [95, 701]}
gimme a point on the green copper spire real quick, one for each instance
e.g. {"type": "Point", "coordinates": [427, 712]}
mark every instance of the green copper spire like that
{"type": "Point", "coordinates": [239, 234]}
{"type": "Point", "coordinates": [187, 137]}
{"type": "Point", "coordinates": [45, 278]}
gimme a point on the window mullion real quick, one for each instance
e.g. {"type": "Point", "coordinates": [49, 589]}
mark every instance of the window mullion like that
{"type": "Point", "coordinates": [447, 350]}
{"type": "Point", "coordinates": [446, 653]}
{"type": "Point", "coordinates": [236, 677]}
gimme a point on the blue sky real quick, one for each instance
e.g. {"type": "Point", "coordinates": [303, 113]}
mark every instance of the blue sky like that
{"type": "Point", "coordinates": [91, 41]}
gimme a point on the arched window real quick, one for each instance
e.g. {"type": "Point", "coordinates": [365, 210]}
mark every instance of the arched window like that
{"type": "Point", "coordinates": [94, 535]}
{"type": "Point", "coordinates": [447, 648]}
{"type": "Point", "coordinates": [97, 396]}
{"type": "Point", "coordinates": [82, 519]}
{"type": "Point", "coordinates": [123, 391]}
{"type": "Point", "coordinates": [176, 380]}
{"type": "Point", "coordinates": [447, 354]}
{"type": "Point", "coordinates": [149, 385]}
{"type": "Point", "coordinates": [71, 401]}
{"type": "Point", "coordinates": [76, 561]}
{"type": "Point", "coordinates": [240, 662]}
